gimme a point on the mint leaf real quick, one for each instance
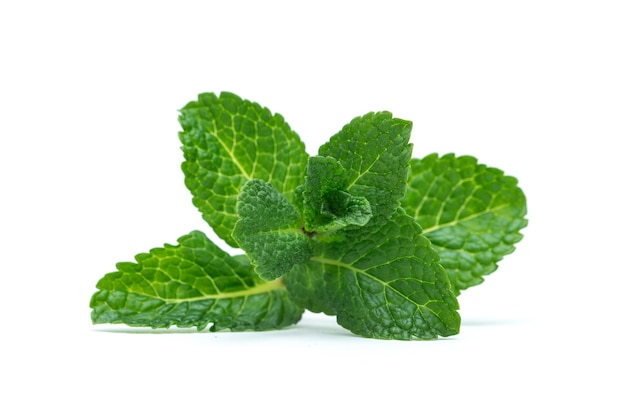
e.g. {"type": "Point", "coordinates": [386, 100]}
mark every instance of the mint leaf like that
{"type": "Point", "coordinates": [192, 284]}
{"type": "Point", "coordinates": [470, 212]}
{"type": "Point", "coordinates": [326, 205]}
{"type": "Point", "coordinates": [387, 285]}
{"type": "Point", "coordinates": [270, 230]}
{"type": "Point", "coordinates": [375, 153]}
{"type": "Point", "coordinates": [228, 141]}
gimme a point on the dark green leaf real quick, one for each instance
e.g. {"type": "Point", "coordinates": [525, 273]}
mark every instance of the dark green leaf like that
{"type": "Point", "coordinates": [270, 230]}
{"type": "Point", "coordinates": [326, 204]}
{"type": "Point", "coordinates": [387, 285]}
{"type": "Point", "coordinates": [374, 151]}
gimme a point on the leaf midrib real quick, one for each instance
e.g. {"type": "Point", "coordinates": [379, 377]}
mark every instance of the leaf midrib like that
{"type": "Point", "coordinates": [276, 284]}
{"type": "Point", "coordinates": [364, 172]}
{"type": "Point", "coordinates": [233, 158]}
{"type": "Point", "coordinates": [464, 219]}
{"type": "Point", "coordinates": [328, 261]}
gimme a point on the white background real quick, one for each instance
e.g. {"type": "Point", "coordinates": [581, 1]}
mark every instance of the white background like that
{"type": "Point", "coordinates": [90, 175]}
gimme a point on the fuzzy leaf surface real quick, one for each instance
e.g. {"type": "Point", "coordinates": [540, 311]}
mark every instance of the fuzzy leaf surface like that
{"type": "Point", "coordinates": [228, 141]}
{"type": "Point", "coordinates": [326, 204]}
{"type": "Point", "coordinates": [470, 212]}
{"type": "Point", "coordinates": [374, 150]}
{"type": "Point", "coordinates": [388, 284]}
{"type": "Point", "coordinates": [270, 230]}
{"type": "Point", "coordinates": [194, 283]}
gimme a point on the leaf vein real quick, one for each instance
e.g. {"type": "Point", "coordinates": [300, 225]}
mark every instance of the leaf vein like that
{"type": "Point", "coordinates": [464, 219]}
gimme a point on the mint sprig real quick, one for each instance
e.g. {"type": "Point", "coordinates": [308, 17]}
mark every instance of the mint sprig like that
{"type": "Point", "coordinates": [361, 231]}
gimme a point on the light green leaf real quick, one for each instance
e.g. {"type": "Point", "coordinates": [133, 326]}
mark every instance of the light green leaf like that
{"type": "Point", "coordinates": [375, 153]}
{"type": "Point", "coordinates": [326, 205]}
{"type": "Point", "coordinates": [228, 141]}
{"type": "Point", "coordinates": [470, 212]}
{"type": "Point", "coordinates": [192, 284]}
{"type": "Point", "coordinates": [270, 230]}
{"type": "Point", "coordinates": [387, 285]}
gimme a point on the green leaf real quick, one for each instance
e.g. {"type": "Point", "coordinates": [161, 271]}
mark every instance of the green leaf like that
{"type": "Point", "coordinates": [270, 230]}
{"type": "Point", "coordinates": [326, 204]}
{"type": "Point", "coordinates": [375, 153]}
{"type": "Point", "coordinates": [228, 141]}
{"type": "Point", "coordinates": [387, 285]}
{"type": "Point", "coordinates": [192, 284]}
{"type": "Point", "coordinates": [470, 212]}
